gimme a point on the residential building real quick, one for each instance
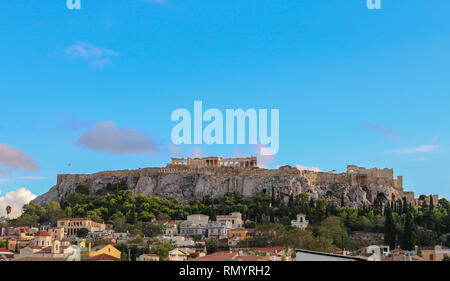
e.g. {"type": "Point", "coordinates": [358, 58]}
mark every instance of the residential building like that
{"type": "Point", "coordinates": [104, 249]}
{"type": "Point", "coordinates": [436, 254]}
{"type": "Point", "coordinates": [377, 252]}
{"type": "Point", "coordinates": [219, 230]}
{"type": "Point", "coordinates": [170, 228]}
{"type": "Point", "coordinates": [57, 233]}
{"type": "Point", "coordinates": [230, 256]}
{"type": "Point", "coordinates": [193, 229]}
{"type": "Point", "coordinates": [197, 219]}
{"type": "Point", "coordinates": [120, 236]}
{"type": "Point", "coordinates": [6, 255]}
{"type": "Point", "coordinates": [102, 257]}
{"type": "Point", "coordinates": [43, 239]}
{"type": "Point", "coordinates": [241, 233]}
{"type": "Point", "coordinates": [178, 255]}
{"type": "Point", "coordinates": [235, 219]}
{"type": "Point", "coordinates": [44, 227]}
{"type": "Point", "coordinates": [180, 241]}
{"type": "Point", "coordinates": [3, 231]}
{"type": "Point", "coordinates": [107, 233]}
{"type": "Point", "coordinates": [148, 257]}
{"type": "Point", "coordinates": [300, 222]}
{"type": "Point", "coordinates": [72, 225]}
{"type": "Point", "coordinates": [276, 253]}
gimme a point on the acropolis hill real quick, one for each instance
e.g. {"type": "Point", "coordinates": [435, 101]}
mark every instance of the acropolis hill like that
{"type": "Point", "coordinates": [194, 178]}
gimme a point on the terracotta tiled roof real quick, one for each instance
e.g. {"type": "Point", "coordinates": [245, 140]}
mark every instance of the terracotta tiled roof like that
{"type": "Point", "coordinates": [74, 219]}
{"type": "Point", "coordinates": [102, 257]}
{"type": "Point", "coordinates": [3, 250]}
{"type": "Point", "coordinates": [222, 256]}
{"type": "Point", "coordinates": [46, 250]}
{"type": "Point", "coordinates": [39, 259]}
{"type": "Point", "coordinates": [42, 233]}
{"type": "Point", "coordinates": [274, 249]}
{"type": "Point", "coordinates": [33, 247]}
{"type": "Point", "coordinates": [151, 255]}
{"type": "Point", "coordinates": [252, 258]}
{"type": "Point", "coordinates": [218, 256]}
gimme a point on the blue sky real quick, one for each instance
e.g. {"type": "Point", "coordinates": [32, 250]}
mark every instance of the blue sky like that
{"type": "Point", "coordinates": [353, 85]}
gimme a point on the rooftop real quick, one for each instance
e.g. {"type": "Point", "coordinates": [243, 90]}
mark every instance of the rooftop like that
{"type": "Point", "coordinates": [102, 257]}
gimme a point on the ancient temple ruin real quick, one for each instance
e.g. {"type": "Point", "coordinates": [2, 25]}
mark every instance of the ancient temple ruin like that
{"type": "Point", "coordinates": [214, 161]}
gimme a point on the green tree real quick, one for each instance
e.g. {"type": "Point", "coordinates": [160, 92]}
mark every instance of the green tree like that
{"type": "Point", "coordinates": [161, 249]}
{"type": "Point", "coordinates": [212, 244]}
{"type": "Point", "coordinates": [82, 233]}
{"type": "Point", "coordinates": [82, 189]}
{"type": "Point", "coordinates": [8, 210]}
{"type": "Point", "coordinates": [390, 233]}
{"type": "Point", "coordinates": [409, 233]}
{"type": "Point", "coordinates": [333, 229]}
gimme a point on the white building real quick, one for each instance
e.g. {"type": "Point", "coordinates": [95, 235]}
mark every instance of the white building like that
{"type": "Point", "coordinates": [219, 230]}
{"type": "Point", "coordinates": [300, 222]}
{"type": "Point", "coordinates": [197, 219]}
{"type": "Point", "coordinates": [235, 219]}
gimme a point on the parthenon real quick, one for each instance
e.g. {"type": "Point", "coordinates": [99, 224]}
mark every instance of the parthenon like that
{"type": "Point", "coordinates": [215, 161]}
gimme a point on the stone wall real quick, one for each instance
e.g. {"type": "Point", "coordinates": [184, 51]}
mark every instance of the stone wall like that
{"type": "Point", "coordinates": [188, 182]}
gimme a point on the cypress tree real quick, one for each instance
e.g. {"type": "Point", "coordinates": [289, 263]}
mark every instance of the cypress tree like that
{"type": "Point", "coordinates": [389, 229]}
{"type": "Point", "coordinates": [424, 205]}
{"type": "Point", "coordinates": [409, 233]}
{"type": "Point", "coordinates": [405, 206]}
{"type": "Point", "coordinates": [342, 200]}
{"type": "Point", "coordinates": [431, 203]}
{"type": "Point", "coordinates": [273, 197]}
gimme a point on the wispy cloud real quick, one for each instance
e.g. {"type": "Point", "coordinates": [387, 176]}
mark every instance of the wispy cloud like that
{"type": "Point", "coordinates": [32, 178]}
{"type": "Point", "coordinates": [388, 134]}
{"type": "Point", "coordinates": [418, 149]}
{"type": "Point", "coordinates": [95, 56]}
{"type": "Point", "coordinates": [108, 137]}
{"type": "Point", "coordinates": [13, 159]}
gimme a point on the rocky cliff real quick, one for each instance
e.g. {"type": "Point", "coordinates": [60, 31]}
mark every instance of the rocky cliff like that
{"type": "Point", "coordinates": [187, 183]}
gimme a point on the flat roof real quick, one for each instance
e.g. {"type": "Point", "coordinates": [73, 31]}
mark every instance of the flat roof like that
{"type": "Point", "coordinates": [330, 255]}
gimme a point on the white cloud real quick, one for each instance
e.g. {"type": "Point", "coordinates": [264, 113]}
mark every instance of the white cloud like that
{"type": "Point", "coordinates": [108, 137]}
{"type": "Point", "coordinates": [97, 57]}
{"type": "Point", "coordinates": [13, 159]}
{"type": "Point", "coordinates": [419, 149]}
{"type": "Point", "coordinates": [32, 178]}
{"type": "Point", "coordinates": [305, 168]}
{"type": "Point", "coordinates": [16, 199]}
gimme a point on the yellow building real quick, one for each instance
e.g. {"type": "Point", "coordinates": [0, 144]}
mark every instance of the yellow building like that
{"type": "Point", "coordinates": [437, 254]}
{"type": "Point", "coordinates": [57, 233]}
{"type": "Point", "coordinates": [104, 249]}
{"type": "Point", "coordinates": [240, 233]}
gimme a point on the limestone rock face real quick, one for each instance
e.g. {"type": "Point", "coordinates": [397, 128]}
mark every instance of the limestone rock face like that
{"type": "Point", "coordinates": [188, 184]}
